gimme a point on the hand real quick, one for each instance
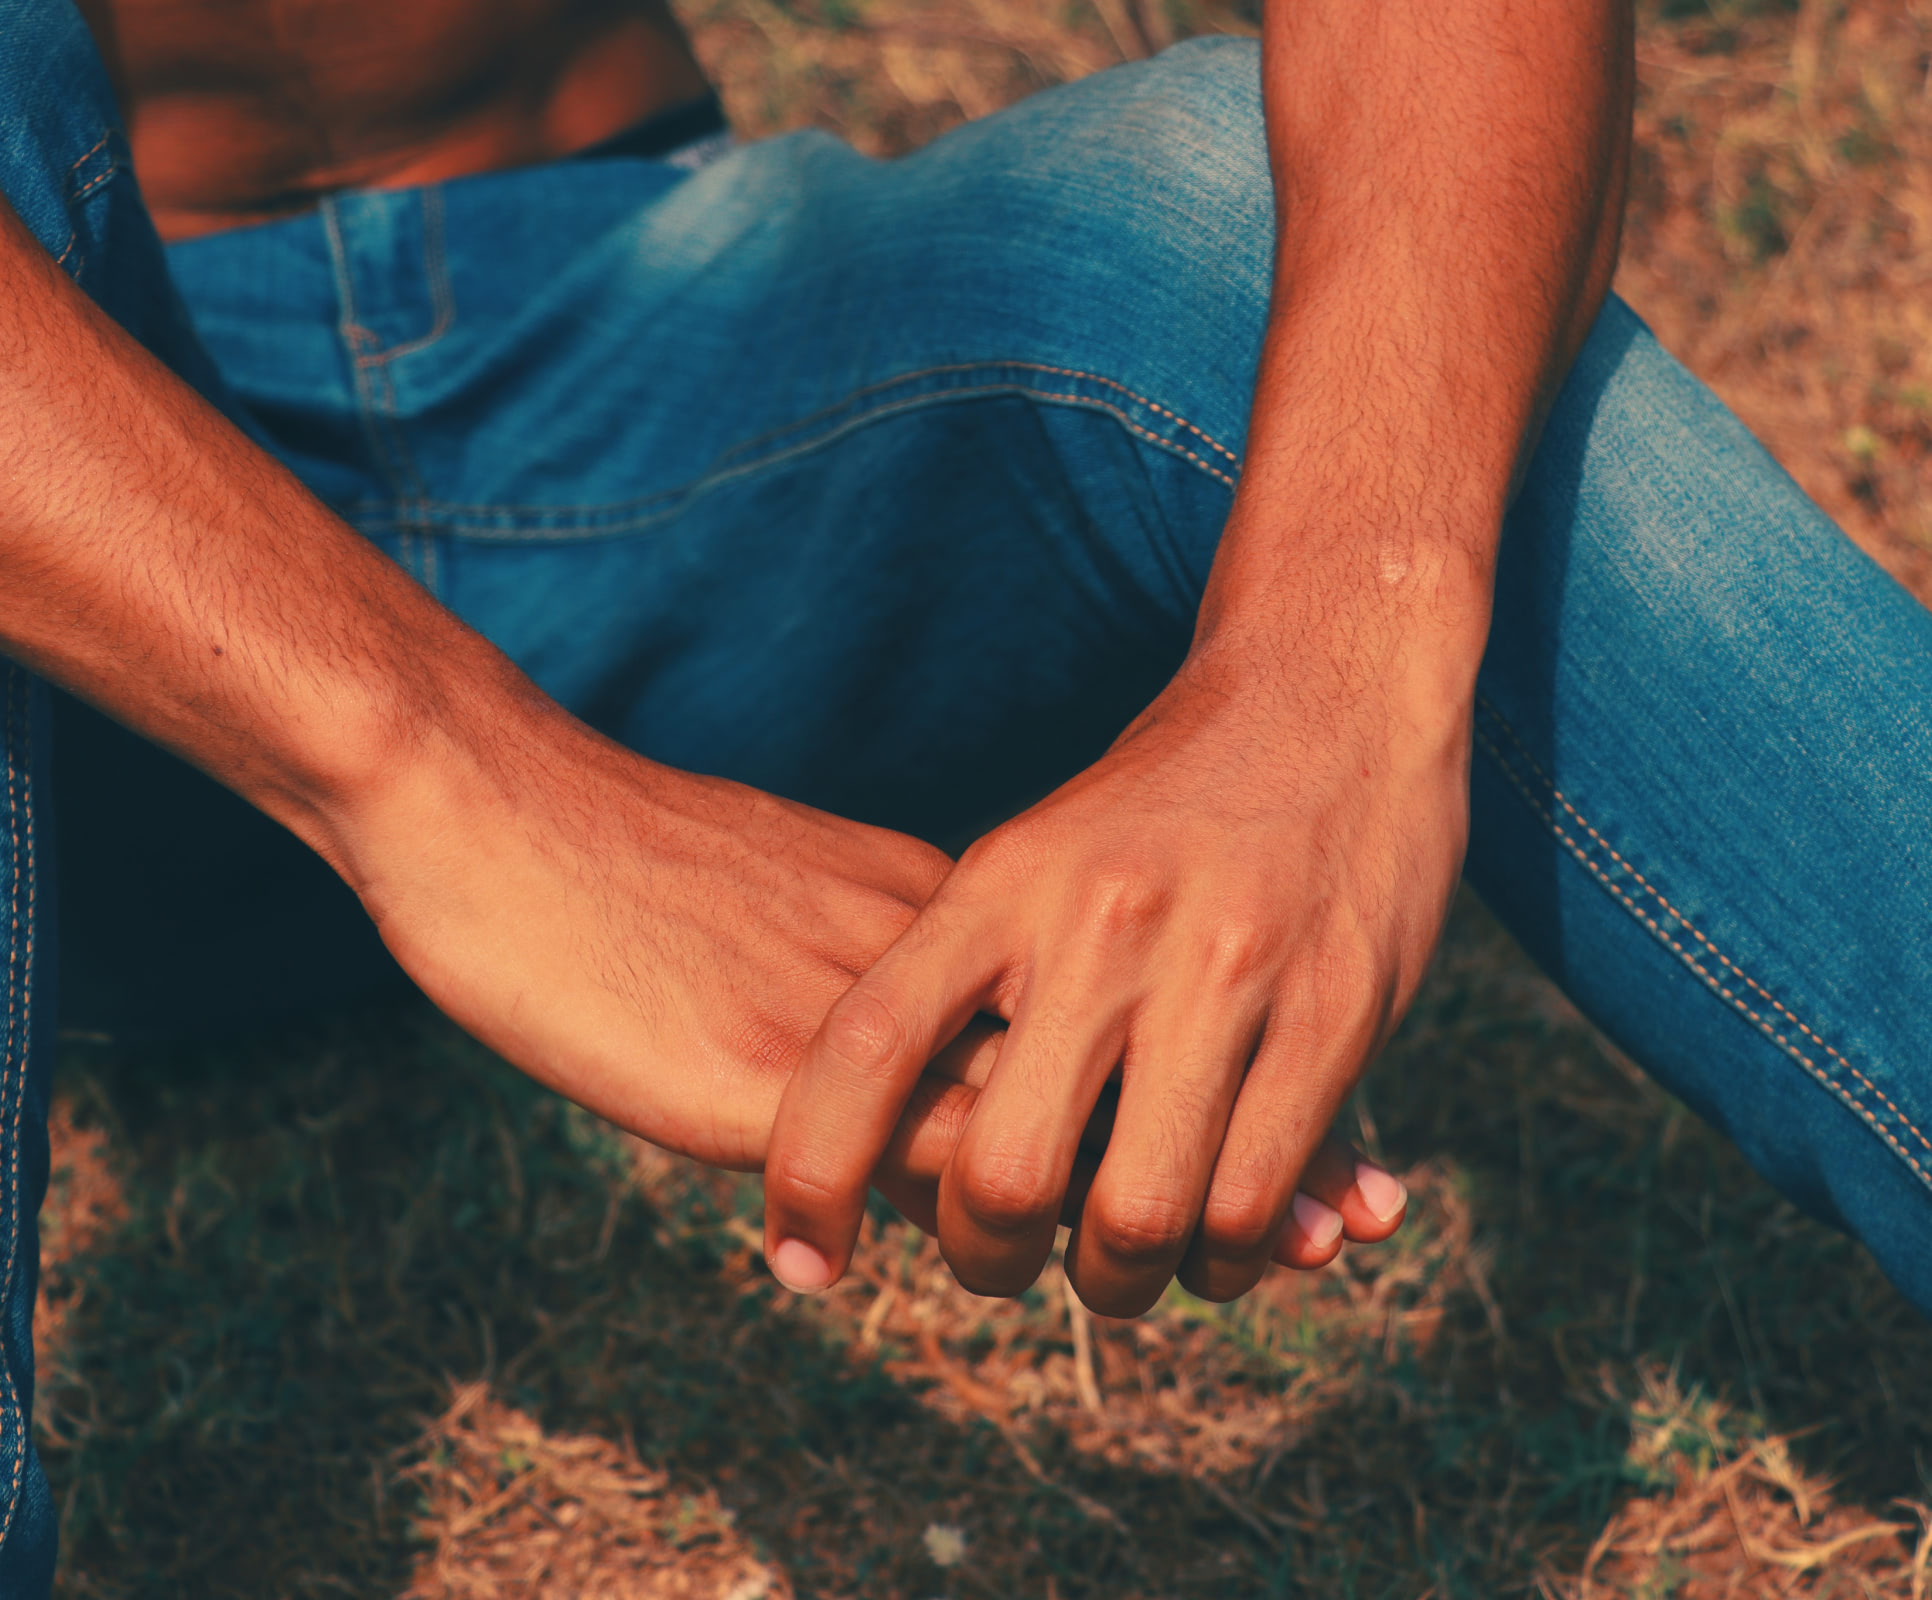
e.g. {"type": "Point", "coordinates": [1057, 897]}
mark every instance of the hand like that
{"type": "Point", "coordinates": [657, 946]}
{"type": "Point", "coordinates": [1342, 1195]}
{"type": "Point", "coordinates": [662, 947]}
{"type": "Point", "coordinates": [1226, 914]}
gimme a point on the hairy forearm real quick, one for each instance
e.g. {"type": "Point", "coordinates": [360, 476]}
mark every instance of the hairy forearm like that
{"type": "Point", "coordinates": [158, 564]}
{"type": "Point", "coordinates": [1449, 178]}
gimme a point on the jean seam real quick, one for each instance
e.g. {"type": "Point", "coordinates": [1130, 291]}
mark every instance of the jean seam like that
{"type": "Point", "coordinates": [92, 184]}
{"type": "Point", "coordinates": [375, 388]}
{"type": "Point", "coordinates": [436, 275]}
{"type": "Point", "coordinates": [1711, 981]}
{"type": "Point", "coordinates": [945, 371]}
{"type": "Point", "coordinates": [80, 189]}
{"type": "Point", "coordinates": [899, 382]}
{"type": "Point", "coordinates": [670, 501]}
{"type": "Point", "coordinates": [13, 1067]}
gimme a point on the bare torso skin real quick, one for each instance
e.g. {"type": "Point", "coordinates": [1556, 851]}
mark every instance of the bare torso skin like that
{"type": "Point", "coordinates": [244, 110]}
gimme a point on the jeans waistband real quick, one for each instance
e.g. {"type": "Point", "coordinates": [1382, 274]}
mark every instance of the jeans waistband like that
{"type": "Point", "coordinates": [687, 135]}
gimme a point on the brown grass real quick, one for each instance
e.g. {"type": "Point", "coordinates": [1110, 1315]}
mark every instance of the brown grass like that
{"type": "Point", "coordinates": [512, 1509]}
{"type": "Point", "coordinates": [1780, 241]}
{"type": "Point", "coordinates": [358, 1311]}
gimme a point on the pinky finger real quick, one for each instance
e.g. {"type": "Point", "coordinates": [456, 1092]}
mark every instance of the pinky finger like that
{"type": "Point", "coordinates": [1343, 1196]}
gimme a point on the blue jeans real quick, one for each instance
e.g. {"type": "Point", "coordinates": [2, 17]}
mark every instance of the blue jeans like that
{"type": "Point", "coordinates": [893, 487]}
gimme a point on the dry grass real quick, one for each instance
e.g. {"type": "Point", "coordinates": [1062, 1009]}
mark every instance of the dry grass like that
{"type": "Point", "coordinates": [512, 1509]}
{"type": "Point", "coordinates": [382, 1318]}
{"type": "Point", "coordinates": [1780, 241]}
{"type": "Point", "coordinates": [358, 1311]}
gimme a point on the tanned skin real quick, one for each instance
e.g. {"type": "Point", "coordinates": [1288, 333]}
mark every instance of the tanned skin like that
{"type": "Point", "coordinates": [1228, 911]}
{"type": "Point", "coordinates": [243, 110]}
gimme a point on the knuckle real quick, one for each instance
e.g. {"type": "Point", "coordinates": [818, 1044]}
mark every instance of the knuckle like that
{"type": "Point", "coordinates": [1237, 953]}
{"type": "Point", "coordinates": [1005, 855]}
{"type": "Point", "coordinates": [1141, 1230]}
{"type": "Point", "coordinates": [922, 865]}
{"type": "Point", "coordinates": [805, 1182]}
{"type": "Point", "coordinates": [864, 1034]}
{"type": "Point", "coordinates": [1122, 902]}
{"type": "Point", "coordinates": [1340, 989]}
{"type": "Point", "coordinates": [1008, 1195]}
{"type": "Point", "coordinates": [1239, 1221]}
{"type": "Point", "coordinates": [769, 1045]}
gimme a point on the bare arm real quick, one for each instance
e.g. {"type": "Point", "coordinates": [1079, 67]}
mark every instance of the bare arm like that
{"type": "Point", "coordinates": [658, 946]}
{"type": "Point", "coordinates": [1450, 182]}
{"type": "Point", "coordinates": [156, 563]}
{"type": "Point", "coordinates": [1233, 907]}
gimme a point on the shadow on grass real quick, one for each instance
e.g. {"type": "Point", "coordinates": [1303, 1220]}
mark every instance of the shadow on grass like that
{"type": "Point", "coordinates": [326, 1232]}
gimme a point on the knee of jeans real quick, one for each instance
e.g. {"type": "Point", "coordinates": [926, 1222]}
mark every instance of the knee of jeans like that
{"type": "Point", "coordinates": [1132, 214]}
{"type": "Point", "coordinates": [59, 126]}
{"type": "Point", "coordinates": [1177, 143]}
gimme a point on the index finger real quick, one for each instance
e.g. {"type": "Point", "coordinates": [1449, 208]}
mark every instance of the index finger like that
{"type": "Point", "coordinates": [837, 1115]}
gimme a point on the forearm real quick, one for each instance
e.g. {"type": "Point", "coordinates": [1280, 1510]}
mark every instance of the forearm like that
{"type": "Point", "coordinates": [158, 564]}
{"type": "Point", "coordinates": [1449, 177]}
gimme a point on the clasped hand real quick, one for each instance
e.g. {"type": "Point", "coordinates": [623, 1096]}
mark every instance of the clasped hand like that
{"type": "Point", "coordinates": [1136, 1008]}
{"type": "Point", "coordinates": [1219, 922]}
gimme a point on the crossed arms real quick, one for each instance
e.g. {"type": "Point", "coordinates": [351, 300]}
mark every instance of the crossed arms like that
{"type": "Point", "coordinates": [1220, 920]}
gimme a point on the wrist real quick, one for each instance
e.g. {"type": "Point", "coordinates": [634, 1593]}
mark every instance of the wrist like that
{"type": "Point", "coordinates": [1393, 619]}
{"type": "Point", "coordinates": [395, 746]}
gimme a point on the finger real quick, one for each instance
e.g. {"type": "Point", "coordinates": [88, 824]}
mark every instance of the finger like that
{"type": "Point", "coordinates": [838, 1112]}
{"type": "Point", "coordinates": [1369, 1199]}
{"type": "Point", "coordinates": [1177, 1090]}
{"type": "Point", "coordinates": [915, 1199]}
{"type": "Point", "coordinates": [1311, 1237]}
{"type": "Point", "coordinates": [928, 1128]}
{"type": "Point", "coordinates": [969, 1059]}
{"type": "Point", "coordinates": [940, 1104]}
{"type": "Point", "coordinates": [1299, 1079]}
{"type": "Point", "coordinates": [1001, 1194]}
{"type": "Point", "coordinates": [1317, 1222]}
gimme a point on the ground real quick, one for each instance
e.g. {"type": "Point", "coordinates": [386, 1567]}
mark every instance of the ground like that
{"type": "Point", "coordinates": [356, 1310]}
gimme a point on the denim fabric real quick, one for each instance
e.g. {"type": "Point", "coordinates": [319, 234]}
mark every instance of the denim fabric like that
{"type": "Point", "coordinates": [893, 486]}
{"type": "Point", "coordinates": [60, 158]}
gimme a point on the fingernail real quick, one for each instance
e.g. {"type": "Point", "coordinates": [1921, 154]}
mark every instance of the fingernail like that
{"type": "Point", "coordinates": [1321, 1225]}
{"type": "Point", "coordinates": [1381, 1193]}
{"type": "Point", "coordinates": [799, 1267]}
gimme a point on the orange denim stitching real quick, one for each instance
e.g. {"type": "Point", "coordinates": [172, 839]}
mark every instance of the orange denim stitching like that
{"type": "Point", "coordinates": [1152, 405]}
{"type": "Point", "coordinates": [436, 274]}
{"type": "Point", "coordinates": [737, 460]}
{"type": "Point", "coordinates": [667, 502]}
{"type": "Point", "coordinates": [1689, 959]}
{"type": "Point", "coordinates": [91, 151]}
{"type": "Point", "coordinates": [91, 185]}
{"type": "Point", "coordinates": [901, 379]}
{"type": "Point", "coordinates": [80, 194]}
{"type": "Point", "coordinates": [1756, 987]}
{"type": "Point", "coordinates": [385, 441]}
{"type": "Point", "coordinates": [15, 1051]}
